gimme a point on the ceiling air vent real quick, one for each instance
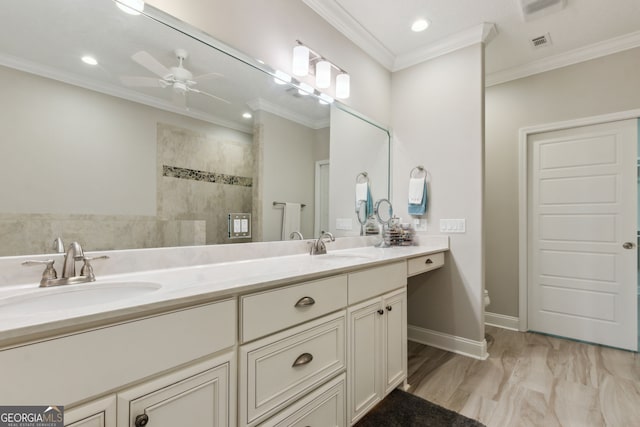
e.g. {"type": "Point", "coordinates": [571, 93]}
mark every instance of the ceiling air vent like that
{"type": "Point", "coordinates": [540, 41]}
{"type": "Point", "coordinates": [534, 8]}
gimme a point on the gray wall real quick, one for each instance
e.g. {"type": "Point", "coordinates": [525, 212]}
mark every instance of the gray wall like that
{"type": "Point", "coordinates": [438, 122]}
{"type": "Point", "coordinates": [604, 85]}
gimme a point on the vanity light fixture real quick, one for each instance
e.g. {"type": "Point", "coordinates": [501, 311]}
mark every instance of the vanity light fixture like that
{"type": "Point", "coordinates": [300, 65]}
{"type": "Point", "coordinates": [419, 25]}
{"type": "Point", "coordinates": [306, 60]}
{"type": "Point", "coordinates": [90, 60]}
{"type": "Point", "coordinates": [132, 7]}
{"type": "Point", "coordinates": [343, 83]}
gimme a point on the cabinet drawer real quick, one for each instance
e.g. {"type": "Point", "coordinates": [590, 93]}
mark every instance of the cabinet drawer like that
{"type": "Point", "coordinates": [324, 407]}
{"type": "Point", "coordinates": [425, 263]}
{"type": "Point", "coordinates": [271, 311]}
{"type": "Point", "coordinates": [93, 362]}
{"type": "Point", "coordinates": [276, 370]}
{"type": "Point", "coordinates": [376, 281]}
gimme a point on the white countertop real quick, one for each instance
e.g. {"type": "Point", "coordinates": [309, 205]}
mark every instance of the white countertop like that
{"type": "Point", "coordinates": [180, 287]}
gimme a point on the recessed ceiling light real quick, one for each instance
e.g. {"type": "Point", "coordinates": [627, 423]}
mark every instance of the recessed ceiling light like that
{"type": "Point", "coordinates": [247, 115]}
{"type": "Point", "coordinates": [132, 7]}
{"type": "Point", "coordinates": [420, 25]}
{"type": "Point", "coordinates": [89, 60]}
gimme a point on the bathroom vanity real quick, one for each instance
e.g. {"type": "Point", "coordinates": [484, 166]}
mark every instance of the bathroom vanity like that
{"type": "Point", "coordinates": [286, 340]}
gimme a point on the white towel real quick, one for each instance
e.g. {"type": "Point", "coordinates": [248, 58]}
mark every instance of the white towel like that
{"type": "Point", "coordinates": [361, 192]}
{"type": "Point", "coordinates": [290, 219]}
{"type": "Point", "coordinates": [416, 190]}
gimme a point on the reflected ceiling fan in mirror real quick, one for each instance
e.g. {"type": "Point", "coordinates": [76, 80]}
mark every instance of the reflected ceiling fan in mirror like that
{"type": "Point", "coordinates": [178, 78]}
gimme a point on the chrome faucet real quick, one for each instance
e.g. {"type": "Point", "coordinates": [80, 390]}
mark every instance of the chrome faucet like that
{"type": "Point", "coordinates": [296, 234]}
{"type": "Point", "coordinates": [74, 253]}
{"type": "Point", "coordinates": [318, 246]}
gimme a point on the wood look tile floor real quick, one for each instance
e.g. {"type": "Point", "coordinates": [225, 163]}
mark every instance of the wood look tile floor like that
{"type": "Point", "coordinates": [532, 380]}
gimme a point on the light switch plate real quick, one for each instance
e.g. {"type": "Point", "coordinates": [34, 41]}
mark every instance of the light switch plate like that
{"type": "Point", "coordinates": [453, 226]}
{"type": "Point", "coordinates": [344, 224]}
{"type": "Point", "coordinates": [239, 225]}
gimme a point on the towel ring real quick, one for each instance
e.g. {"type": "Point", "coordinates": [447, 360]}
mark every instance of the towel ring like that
{"type": "Point", "coordinates": [362, 175]}
{"type": "Point", "coordinates": [419, 170]}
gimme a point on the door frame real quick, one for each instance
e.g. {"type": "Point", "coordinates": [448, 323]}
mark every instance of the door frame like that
{"type": "Point", "coordinates": [523, 243]}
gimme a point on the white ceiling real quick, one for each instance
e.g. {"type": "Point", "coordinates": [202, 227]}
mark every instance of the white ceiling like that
{"type": "Point", "coordinates": [582, 30]}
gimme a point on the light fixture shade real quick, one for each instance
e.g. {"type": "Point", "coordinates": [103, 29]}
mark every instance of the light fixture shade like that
{"type": "Point", "coordinates": [132, 7]}
{"type": "Point", "coordinates": [323, 74]}
{"type": "Point", "coordinates": [343, 83]}
{"type": "Point", "coordinates": [300, 66]}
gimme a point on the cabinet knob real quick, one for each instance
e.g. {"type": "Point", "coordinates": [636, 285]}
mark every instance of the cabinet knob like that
{"type": "Point", "coordinates": [627, 245]}
{"type": "Point", "coordinates": [141, 420]}
{"type": "Point", "coordinates": [428, 261]}
{"type": "Point", "coordinates": [389, 308]}
{"type": "Point", "coordinates": [303, 359]}
{"type": "Point", "coordinates": [305, 302]}
{"type": "Point", "coordinates": [381, 311]}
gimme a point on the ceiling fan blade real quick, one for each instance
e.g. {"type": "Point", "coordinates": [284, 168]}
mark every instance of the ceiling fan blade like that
{"type": "Point", "coordinates": [208, 94]}
{"type": "Point", "coordinates": [208, 76]}
{"type": "Point", "coordinates": [141, 81]}
{"type": "Point", "coordinates": [150, 63]}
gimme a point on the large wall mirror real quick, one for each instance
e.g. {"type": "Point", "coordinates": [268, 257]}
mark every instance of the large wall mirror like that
{"type": "Point", "coordinates": [153, 145]}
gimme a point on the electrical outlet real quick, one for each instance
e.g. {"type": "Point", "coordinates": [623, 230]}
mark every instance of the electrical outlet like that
{"type": "Point", "coordinates": [420, 224]}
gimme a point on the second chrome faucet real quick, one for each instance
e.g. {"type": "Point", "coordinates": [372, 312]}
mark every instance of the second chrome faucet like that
{"type": "Point", "coordinates": [318, 246]}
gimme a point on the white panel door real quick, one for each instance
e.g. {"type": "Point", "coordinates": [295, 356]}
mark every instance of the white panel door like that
{"type": "Point", "coordinates": [582, 212]}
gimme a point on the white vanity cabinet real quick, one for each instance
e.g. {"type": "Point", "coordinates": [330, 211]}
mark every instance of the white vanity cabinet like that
{"type": "Point", "coordinates": [201, 395]}
{"type": "Point", "coordinates": [377, 333]}
{"type": "Point", "coordinates": [99, 413]}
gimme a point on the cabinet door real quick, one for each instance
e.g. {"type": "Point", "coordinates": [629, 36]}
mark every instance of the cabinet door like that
{"type": "Point", "coordinates": [99, 413]}
{"type": "Point", "coordinates": [395, 336]}
{"type": "Point", "coordinates": [201, 400]}
{"type": "Point", "coordinates": [365, 357]}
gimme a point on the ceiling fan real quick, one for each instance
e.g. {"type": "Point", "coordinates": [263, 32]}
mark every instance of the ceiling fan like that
{"type": "Point", "coordinates": [178, 78]}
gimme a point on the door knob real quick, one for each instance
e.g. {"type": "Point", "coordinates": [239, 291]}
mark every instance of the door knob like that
{"type": "Point", "coordinates": [627, 245]}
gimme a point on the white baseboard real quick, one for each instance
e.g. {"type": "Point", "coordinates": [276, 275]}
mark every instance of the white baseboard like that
{"type": "Point", "coordinates": [452, 343]}
{"type": "Point", "coordinates": [502, 321]}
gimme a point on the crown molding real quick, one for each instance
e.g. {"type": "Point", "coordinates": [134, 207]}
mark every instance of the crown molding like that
{"type": "Point", "coordinates": [342, 21]}
{"type": "Point", "coordinates": [116, 91]}
{"type": "Point", "coordinates": [586, 53]}
{"type": "Point", "coordinates": [260, 104]}
{"type": "Point", "coordinates": [482, 33]}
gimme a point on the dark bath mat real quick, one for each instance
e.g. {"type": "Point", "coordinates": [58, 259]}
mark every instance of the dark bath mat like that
{"type": "Point", "coordinates": [402, 409]}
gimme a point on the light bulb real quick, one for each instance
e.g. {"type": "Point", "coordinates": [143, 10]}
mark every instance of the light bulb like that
{"type": "Point", "coordinates": [300, 65]}
{"type": "Point", "coordinates": [323, 74]}
{"type": "Point", "coordinates": [343, 89]}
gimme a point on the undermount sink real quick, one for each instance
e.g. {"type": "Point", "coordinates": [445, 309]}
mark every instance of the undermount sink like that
{"type": "Point", "coordinates": [74, 296]}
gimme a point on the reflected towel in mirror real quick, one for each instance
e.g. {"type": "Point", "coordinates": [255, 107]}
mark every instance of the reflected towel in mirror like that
{"type": "Point", "coordinates": [290, 219]}
{"type": "Point", "coordinates": [363, 194]}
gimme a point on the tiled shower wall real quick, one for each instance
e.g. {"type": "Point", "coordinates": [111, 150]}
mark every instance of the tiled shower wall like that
{"type": "Point", "coordinates": [201, 178]}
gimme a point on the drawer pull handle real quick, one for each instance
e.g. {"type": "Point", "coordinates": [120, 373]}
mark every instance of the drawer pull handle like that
{"type": "Point", "coordinates": [428, 261]}
{"type": "Point", "coordinates": [141, 420]}
{"type": "Point", "coordinates": [303, 359]}
{"type": "Point", "coordinates": [389, 308]}
{"type": "Point", "coordinates": [381, 312]}
{"type": "Point", "coordinates": [305, 302]}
